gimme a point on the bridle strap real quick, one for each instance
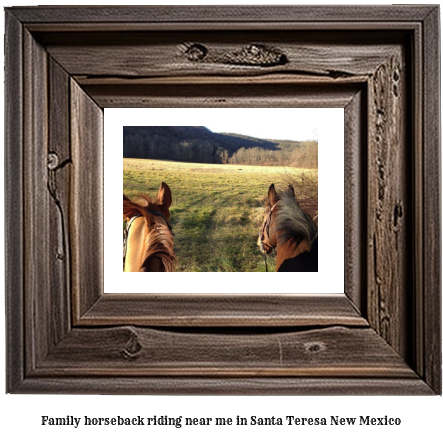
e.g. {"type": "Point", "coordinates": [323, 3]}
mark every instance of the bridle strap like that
{"type": "Point", "coordinates": [157, 213]}
{"type": "Point", "coordinates": [264, 232]}
{"type": "Point", "coordinates": [264, 235]}
{"type": "Point", "coordinates": [266, 261]}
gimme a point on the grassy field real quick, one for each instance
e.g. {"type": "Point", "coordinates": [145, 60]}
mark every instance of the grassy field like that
{"type": "Point", "coordinates": [217, 210]}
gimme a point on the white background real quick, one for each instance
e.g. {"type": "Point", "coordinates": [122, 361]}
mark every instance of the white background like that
{"type": "Point", "coordinates": [328, 279]}
{"type": "Point", "coordinates": [21, 414]}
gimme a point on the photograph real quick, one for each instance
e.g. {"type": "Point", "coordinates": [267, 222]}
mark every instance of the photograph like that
{"type": "Point", "coordinates": [231, 204]}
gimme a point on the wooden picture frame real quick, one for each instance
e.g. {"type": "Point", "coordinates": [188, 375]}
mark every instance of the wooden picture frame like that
{"type": "Point", "coordinates": [65, 64]}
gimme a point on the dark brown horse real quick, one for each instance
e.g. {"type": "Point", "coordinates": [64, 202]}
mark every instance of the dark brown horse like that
{"type": "Point", "coordinates": [148, 245]}
{"type": "Point", "coordinates": [290, 231]}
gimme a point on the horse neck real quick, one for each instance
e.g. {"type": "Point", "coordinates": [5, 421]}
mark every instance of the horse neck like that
{"type": "Point", "coordinates": [290, 249]}
{"type": "Point", "coordinates": [159, 253]}
{"type": "Point", "coordinates": [153, 251]}
{"type": "Point", "coordinates": [153, 264]}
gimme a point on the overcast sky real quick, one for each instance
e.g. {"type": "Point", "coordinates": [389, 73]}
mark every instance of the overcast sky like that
{"type": "Point", "coordinates": [272, 123]}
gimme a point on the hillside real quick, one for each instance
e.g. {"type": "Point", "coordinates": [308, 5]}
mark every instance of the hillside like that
{"type": "Point", "coordinates": [200, 145]}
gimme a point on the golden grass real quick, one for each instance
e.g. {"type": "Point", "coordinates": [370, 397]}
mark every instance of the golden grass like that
{"type": "Point", "coordinates": [217, 210]}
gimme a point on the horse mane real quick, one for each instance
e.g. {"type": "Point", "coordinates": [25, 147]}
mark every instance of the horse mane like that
{"type": "Point", "coordinates": [160, 239]}
{"type": "Point", "coordinates": [292, 222]}
{"type": "Point", "coordinates": [160, 244]}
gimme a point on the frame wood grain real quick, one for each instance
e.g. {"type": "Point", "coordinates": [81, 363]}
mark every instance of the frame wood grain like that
{"type": "Point", "coordinates": [64, 65]}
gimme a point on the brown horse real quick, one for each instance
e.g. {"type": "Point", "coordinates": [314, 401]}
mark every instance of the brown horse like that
{"type": "Point", "coordinates": [148, 245]}
{"type": "Point", "coordinates": [291, 232]}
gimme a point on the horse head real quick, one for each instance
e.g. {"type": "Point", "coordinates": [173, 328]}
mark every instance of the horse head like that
{"type": "Point", "coordinates": [288, 230]}
{"type": "Point", "coordinates": [149, 237]}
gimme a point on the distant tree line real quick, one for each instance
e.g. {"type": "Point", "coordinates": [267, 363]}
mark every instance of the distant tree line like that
{"type": "Point", "coordinates": [305, 156]}
{"type": "Point", "coordinates": [199, 145]}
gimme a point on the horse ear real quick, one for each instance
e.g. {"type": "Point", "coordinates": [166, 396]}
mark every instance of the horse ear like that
{"type": "Point", "coordinates": [272, 195]}
{"type": "Point", "coordinates": [164, 196]}
{"type": "Point", "coordinates": [291, 190]}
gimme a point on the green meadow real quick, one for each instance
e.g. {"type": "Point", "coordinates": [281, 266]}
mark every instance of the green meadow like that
{"type": "Point", "coordinates": [217, 209]}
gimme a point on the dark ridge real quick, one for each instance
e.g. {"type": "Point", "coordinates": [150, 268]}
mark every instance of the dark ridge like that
{"type": "Point", "coordinates": [200, 145]}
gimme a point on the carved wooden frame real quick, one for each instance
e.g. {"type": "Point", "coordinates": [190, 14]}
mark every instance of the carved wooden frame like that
{"type": "Point", "coordinates": [64, 65]}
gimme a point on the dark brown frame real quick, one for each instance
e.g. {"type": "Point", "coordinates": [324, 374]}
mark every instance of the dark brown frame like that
{"type": "Point", "coordinates": [64, 65]}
